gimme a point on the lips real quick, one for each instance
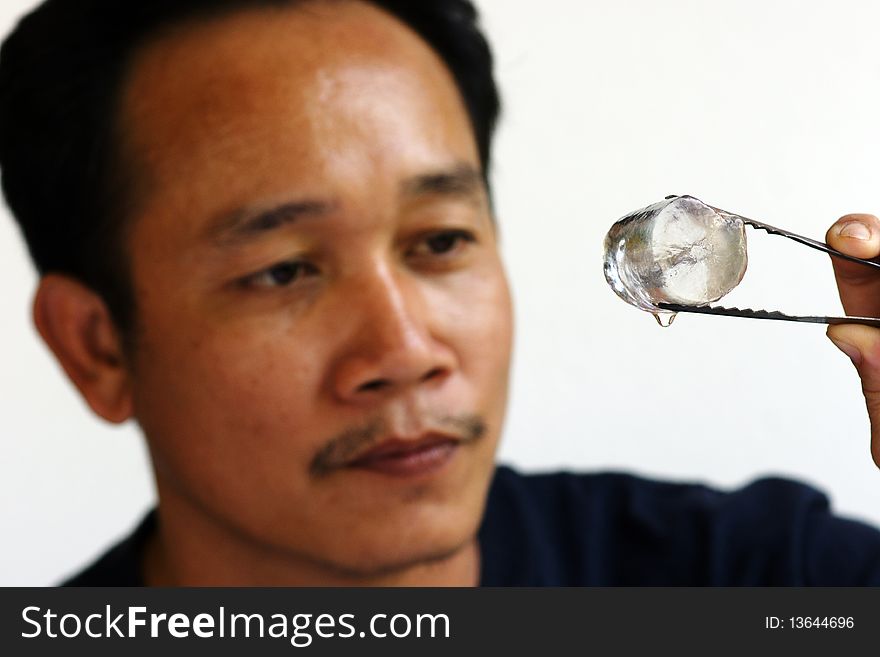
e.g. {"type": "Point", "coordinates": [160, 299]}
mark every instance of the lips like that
{"type": "Point", "coordinates": [407, 457]}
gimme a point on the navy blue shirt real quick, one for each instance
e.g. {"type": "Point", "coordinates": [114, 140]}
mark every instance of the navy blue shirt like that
{"type": "Point", "coordinates": [565, 529]}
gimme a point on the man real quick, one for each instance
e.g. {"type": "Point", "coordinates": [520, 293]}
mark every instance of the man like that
{"type": "Point", "coordinates": [264, 232]}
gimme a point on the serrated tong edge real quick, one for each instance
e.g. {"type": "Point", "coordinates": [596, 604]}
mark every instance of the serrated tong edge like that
{"type": "Point", "coordinates": [775, 314]}
{"type": "Point", "coordinates": [767, 314]}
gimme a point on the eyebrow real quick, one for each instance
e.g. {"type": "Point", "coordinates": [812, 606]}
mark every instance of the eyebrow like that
{"type": "Point", "coordinates": [242, 226]}
{"type": "Point", "coordinates": [462, 181]}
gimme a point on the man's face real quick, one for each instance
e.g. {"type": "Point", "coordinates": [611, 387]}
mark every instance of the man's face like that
{"type": "Point", "coordinates": [316, 273]}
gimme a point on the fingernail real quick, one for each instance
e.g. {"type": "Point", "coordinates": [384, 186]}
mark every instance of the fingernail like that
{"type": "Point", "coordinates": [854, 354]}
{"type": "Point", "coordinates": [855, 229]}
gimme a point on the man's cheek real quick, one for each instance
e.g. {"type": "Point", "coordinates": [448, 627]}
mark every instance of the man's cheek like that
{"type": "Point", "coordinates": [485, 325]}
{"type": "Point", "coordinates": [224, 401]}
{"type": "Point", "coordinates": [242, 452]}
{"type": "Point", "coordinates": [261, 367]}
{"type": "Point", "coordinates": [255, 410]}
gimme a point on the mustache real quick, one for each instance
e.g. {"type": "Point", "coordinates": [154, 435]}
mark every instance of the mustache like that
{"type": "Point", "coordinates": [340, 449]}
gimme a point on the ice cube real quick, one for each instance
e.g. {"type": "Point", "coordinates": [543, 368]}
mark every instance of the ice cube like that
{"type": "Point", "coordinates": [678, 251]}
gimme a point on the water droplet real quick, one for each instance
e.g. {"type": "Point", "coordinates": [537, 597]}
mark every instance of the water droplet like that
{"type": "Point", "coordinates": [665, 319]}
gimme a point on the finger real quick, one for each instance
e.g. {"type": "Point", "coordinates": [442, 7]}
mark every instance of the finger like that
{"type": "Point", "coordinates": [862, 345]}
{"type": "Point", "coordinates": [857, 235]}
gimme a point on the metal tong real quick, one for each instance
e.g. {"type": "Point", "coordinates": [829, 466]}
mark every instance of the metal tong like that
{"type": "Point", "coordinates": [775, 314]}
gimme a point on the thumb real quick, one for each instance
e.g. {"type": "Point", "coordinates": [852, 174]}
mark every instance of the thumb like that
{"type": "Point", "coordinates": [862, 345]}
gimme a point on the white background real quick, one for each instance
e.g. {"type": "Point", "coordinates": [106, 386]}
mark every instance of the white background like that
{"type": "Point", "coordinates": [763, 107]}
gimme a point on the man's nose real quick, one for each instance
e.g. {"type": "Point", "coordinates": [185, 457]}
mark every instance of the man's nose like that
{"type": "Point", "coordinates": [392, 346]}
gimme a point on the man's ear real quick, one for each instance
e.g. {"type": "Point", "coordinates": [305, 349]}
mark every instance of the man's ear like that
{"type": "Point", "coordinates": [76, 325]}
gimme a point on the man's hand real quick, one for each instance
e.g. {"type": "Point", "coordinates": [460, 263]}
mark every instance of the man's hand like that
{"type": "Point", "coordinates": [859, 286]}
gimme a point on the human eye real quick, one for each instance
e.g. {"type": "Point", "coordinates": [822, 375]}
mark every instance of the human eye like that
{"type": "Point", "coordinates": [280, 275]}
{"type": "Point", "coordinates": [444, 243]}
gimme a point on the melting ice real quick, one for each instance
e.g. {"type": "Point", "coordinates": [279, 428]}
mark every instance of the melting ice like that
{"type": "Point", "coordinates": [679, 251]}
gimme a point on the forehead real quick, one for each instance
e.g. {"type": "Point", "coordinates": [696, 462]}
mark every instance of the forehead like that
{"type": "Point", "coordinates": [310, 91]}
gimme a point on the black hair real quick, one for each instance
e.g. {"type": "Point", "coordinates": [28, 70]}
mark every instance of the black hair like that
{"type": "Point", "coordinates": [62, 72]}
